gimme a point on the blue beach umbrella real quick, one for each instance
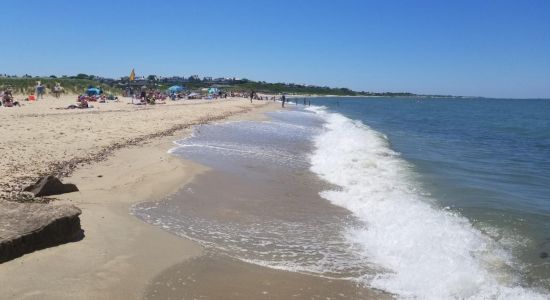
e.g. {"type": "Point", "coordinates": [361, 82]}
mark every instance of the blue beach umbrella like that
{"type": "Point", "coordinates": [92, 91]}
{"type": "Point", "coordinates": [175, 89]}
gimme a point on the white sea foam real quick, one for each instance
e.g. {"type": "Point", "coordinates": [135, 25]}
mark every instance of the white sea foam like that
{"type": "Point", "coordinates": [427, 252]}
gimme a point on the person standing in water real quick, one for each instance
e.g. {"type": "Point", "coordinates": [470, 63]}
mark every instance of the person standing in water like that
{"type": "Point", "coordinates": [304, 101]}
{"type": "Point", "coordinates": [283, 99]}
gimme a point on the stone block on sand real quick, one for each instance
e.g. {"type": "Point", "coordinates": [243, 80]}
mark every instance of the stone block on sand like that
{"type": "Point", "coordinates": [50, 185]}
{"type": "Point", "coordinates": [26, 227]}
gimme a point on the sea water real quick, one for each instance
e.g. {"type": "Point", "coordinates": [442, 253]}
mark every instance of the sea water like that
{"type": "Point", "coordinates": [445, 198]}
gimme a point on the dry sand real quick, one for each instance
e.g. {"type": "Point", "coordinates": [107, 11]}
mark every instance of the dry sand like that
{"type": "Point", "coordinates": [119, 254]}
{"type": "Point", "coordinates": [39, 139]}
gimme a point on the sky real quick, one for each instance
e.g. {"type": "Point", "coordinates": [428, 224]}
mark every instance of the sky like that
{"type": "Point", "coordinates": [467, 47]}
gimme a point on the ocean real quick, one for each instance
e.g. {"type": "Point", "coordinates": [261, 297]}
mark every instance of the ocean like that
{"type": "Point", "coordinates": [420, 198]}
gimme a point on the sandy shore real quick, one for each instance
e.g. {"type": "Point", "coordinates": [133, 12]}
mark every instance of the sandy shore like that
{"type": "Point", "coordinates": [239, 200]}
{"type": "Point", "coordinates": [128, 145]}
{"type": "Point", "coordinates": [117, 155]}
{"type": "Point", "coordinates": [39, 139]}
{"type": "Point", "coordinates": [221, 277]}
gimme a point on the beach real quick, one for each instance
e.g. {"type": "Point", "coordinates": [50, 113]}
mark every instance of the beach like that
{"type": "Point", "coordinates": [40, 138]}
{"type": "Point", "coordinates": [255, 150]}
{"type": "Point", "coordinates": [126, 161]}
{"type": "Point", "coordinates": [325, 196]}
{"type": "Point", "coordinates": [120, 256]}
{"type": "Point", "coordinates": [226, 199]}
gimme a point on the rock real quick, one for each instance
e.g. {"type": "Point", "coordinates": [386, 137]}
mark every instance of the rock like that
{"type": "Point", "coordinates": [544, 249]}
{"type": "Point", "coordinates": [50, 185]}
{"type": "Point", "coordinates": [26, 227]}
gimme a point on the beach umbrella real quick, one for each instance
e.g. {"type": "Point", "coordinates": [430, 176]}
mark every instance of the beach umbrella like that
{"type": "Point", "coordinates": [175, 89]}
{"type": "Point", "coordinates": [92, 91]}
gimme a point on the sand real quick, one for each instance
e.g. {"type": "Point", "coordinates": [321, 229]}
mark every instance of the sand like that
{"type": "Point", "coordinates": [240, 200]}
{"type": "Point", "coordinates": [37, 138]}
{"type": "Point", "coordinates": [116, 154]}
{"type": "Point", "coordinates": [119, 254]}
{"type": "Point", "coordinates": [219, 277]}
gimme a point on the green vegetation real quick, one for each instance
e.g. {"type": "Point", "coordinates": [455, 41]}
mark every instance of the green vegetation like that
{"type": "Point", "coordinates": [78, 84]}
{"type": "Point", "coordinates": [26, 85]}
{"type": "Point", "coordinates": [278, 88]}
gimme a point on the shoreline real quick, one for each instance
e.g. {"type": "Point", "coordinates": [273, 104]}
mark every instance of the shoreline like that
{"type": "Point", "coordinates": [258, 203]}
{"type": "Point", "coordinates": [119, 254]}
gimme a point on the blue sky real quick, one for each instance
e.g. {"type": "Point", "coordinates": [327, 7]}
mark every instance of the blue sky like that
{"type": "Point", "coordinates": [486, 48]}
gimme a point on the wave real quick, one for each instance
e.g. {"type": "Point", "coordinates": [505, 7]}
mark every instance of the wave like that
{"type": "Point", "coordinates": [426, 251]}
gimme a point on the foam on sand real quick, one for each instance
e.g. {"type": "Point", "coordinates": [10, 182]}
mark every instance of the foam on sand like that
{"type": "Point", "coordinates": [428, 252]}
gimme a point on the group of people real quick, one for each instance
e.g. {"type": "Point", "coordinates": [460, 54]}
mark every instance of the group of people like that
{"type": "Point", "coordinates": [7, 99]}
{"type": "Point", "coordinates": [252, 95]}
{"type": "Point", "coordinates": [152, 97]}
{"type": "Point", "coordinates": [40, 90]}
{"type": "Point", "coordinates": [307, 102]}
{"type": "Point", "coordinates": [92, 94]}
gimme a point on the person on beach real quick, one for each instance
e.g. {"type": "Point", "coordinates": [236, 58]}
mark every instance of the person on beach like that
{"type": "Point", "coordinates": [57, 89]}
{"type": "Point", "coordinates": [7, 99]}
{"type": "Point", "coordinates": [283, 99]}
{"type": "Point", "coordinates": [143, 96]}
{"type": "Point", "coordinates": [39, 90]}
{"type": "Point", "coordinates": [251, 96]}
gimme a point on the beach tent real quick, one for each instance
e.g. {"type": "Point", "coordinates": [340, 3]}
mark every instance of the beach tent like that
{"type": "Point", "coordinates": [92, 91]}
{"type": "Point", "coordinates": [213, 90]}
{"type": "Point", "coordinates": [175, 89]}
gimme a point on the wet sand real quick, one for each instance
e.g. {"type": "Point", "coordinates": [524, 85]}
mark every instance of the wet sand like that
{"type": "Point", "coordinates": [246, 209]}
{"type": "Point", "coordinates": [222, 277]}
{"type": "Point", "coordinates": [216, 275]}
